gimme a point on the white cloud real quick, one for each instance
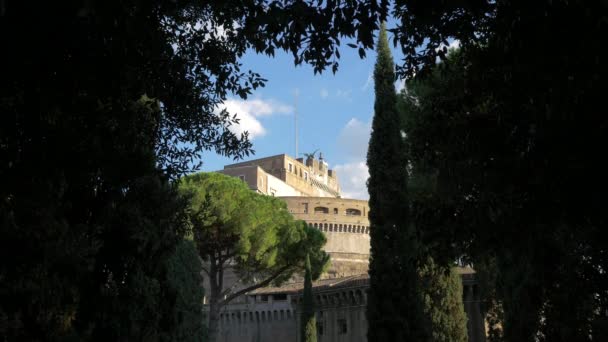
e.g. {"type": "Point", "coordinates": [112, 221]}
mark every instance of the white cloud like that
{"type": "Point", "coordinates": [345, 94]}
{"type": "Point", "coordinates": [454, 44]}
{"type": "Point", "coordinates": [368, 82]}
{"type": "Point", "coordinates": [353, 179]}
{"type": "Point", "coordinates": [324, 93]}
{"type": "Point", "coordinates": [248, 112]}
{"type": "Point", "coordinates": [400, 85]}
{"type": "Point", "coordinates": [352, 145]}
{"type": "Point", "coordinates": [353, 139]}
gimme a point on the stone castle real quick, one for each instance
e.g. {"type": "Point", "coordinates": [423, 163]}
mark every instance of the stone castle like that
{"type": "Point", "coordinates": [312, 193]}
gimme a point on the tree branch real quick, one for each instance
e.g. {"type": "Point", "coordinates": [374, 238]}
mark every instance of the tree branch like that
{"type": "Point", "coordinates": [256, 286]}
{"type": "Point", "coordinates": [205, 270]}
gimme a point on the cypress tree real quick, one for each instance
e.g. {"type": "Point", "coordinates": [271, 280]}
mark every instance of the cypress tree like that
{"type": "Point", "coordinates": [395, 310]}
{"type": "Point", "coordinates": [443, 302]}
{"type": "Point", "coordinates": [309, 322]}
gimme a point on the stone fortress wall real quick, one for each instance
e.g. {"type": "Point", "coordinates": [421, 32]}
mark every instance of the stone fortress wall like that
{"type": "Point", "coordinates": [345, 224]}
{"type": "Point", "coordinates": [273, 313]}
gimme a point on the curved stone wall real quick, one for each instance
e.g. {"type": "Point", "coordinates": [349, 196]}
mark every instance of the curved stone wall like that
{"type": "Point", "coordinates": [345, 223]}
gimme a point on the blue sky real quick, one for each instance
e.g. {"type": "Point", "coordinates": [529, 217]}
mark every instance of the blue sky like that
{"type": "Point", "coordinates": [334, 114]}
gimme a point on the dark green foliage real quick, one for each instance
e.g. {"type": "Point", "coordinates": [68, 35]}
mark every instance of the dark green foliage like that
{"type": "Point", "coordinates": [310, 334]}
{"type": "Point", "coordinates": [441, 285]}
{"type": "Point", "coordinates": [253, 234]}
{"type": "Point", "coordinates": [184, 270]}
{"type": "Point", "coordinates": [394, 247]}
{"type": "Point", "coordinates": [511, 133]}
{"type": "Point", "coordinates": [100, 103]}
{"type": "Point", "coordinates": [442, 289]}
{"type": "Point", "coordinates": [308, 320]}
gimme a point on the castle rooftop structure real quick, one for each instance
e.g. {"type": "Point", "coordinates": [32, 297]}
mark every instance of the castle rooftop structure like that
{"type": "Point", "coordinates": [282, 175]}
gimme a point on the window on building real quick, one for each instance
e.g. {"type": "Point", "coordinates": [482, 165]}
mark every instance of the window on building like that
{"type": "Point", "coordinates": [263, 298]}
{"type": "Point", "coordinates": [305, 175]}
{"type": "Point", "coordinates": [290, 167]}
{"type": "Point", "coordinates": [335, 211]}
{"type": "Point", "coordinates": [342, 328]}
{"type": "Point", "coordinates": [321, 210]}
{"type": "Point", "coordinates": [279, 296]}
{"type": "Point", "coordinates": [354, 212]}
{"type": "Point", "coordinates": [305, 208]}
{"type": "Point", "coordinates": [242, 177]}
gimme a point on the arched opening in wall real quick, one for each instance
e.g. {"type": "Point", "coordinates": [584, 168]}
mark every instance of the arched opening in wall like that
{"type": "Point", "coordinates": [331, 227]}
{"type": "Point", "coordinates": [250, 316]}
{"type": "Point", "coordinates": [353, 212]}
{"type": "Point", "coordinates": [325, 226]}
{"type": "Point", "coordinates": [316, 225]}
{"type": "Point", "coordinates": [282, 317]}
{"type": "Point", "coordinates": [288, 314]}
{"type": "Point", "coordinates": [275, 315]}
{"type": "Point", "coordinates": [263, 316]}
{"type": "Point", "coordinates": [358, 297]}
{"type": "Point", "coordinates": [321, 210]}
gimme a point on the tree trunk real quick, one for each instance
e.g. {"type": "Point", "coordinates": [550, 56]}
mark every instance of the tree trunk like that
{"type": "Point", "coordinates": [214, 320]}
{"type": "Point", "coordinates": [215, 287]}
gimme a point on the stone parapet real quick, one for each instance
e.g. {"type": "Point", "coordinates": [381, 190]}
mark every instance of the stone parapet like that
{"type": "Point", "coordinates": [345, 224]}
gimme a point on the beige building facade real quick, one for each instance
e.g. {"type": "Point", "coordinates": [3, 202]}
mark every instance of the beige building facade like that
{"type": "Point", "coordinates": [282, 175]}
{"type": "Point", "coordinates": [345, 224]}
